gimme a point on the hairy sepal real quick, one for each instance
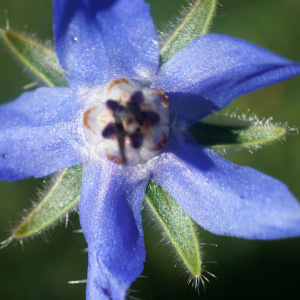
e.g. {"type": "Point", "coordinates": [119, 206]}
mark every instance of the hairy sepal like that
{"type": "Point", "coordinates": [195, 22]}
{"type": "Point", "coordinates": [62, 196]}
{"type": "Point", "coordinates": [177, 228]}
{"type": "Point", "coordinates": [40, 60]}
{"type": "Point", "coordinates": [222, 132]}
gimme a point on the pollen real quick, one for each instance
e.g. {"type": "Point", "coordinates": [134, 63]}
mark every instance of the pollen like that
{"type": "Point", "coordinates": [127, 123]}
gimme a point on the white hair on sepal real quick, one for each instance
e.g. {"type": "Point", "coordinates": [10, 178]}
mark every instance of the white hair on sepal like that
{"type": "Point", "coordinates": [36, 80]}
{"type": "Point", "coordinates": [47, 184]}
{"type": "Point", "coordinates": [171, 26]}
{"type": "Point", "coordinates": [130, 297]}
{"type": "Point", "coordinates": [6, 242]}
{"type": "Point", "coordinates": [150, 219]}
{"type": "Point", "coordinates": [7, 25]}
{"type": "Point", "coordinates": [77, 281]}
{"type": "Point", "coordinates": [196, 282]}
{"type": "Point", "coordinates": [234, 118]}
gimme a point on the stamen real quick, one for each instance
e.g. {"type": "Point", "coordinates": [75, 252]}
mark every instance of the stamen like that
{"type": "Point", "coordinates": [135, 109]}
{"type": "Point", "coordinates": [127, 123]}
{"type": "Point", "coordinates": [109, 131]}
{"type": "Point", "coordinates": [137, 97]}
{"type": "Point", "coordinates": [113, 105]}
{"type": "Point", "coordinates": [136, 140]}
{"type": "Point", "coordinates": [151, 117]}
{"type": "Point", "coordinates": [121, 137]}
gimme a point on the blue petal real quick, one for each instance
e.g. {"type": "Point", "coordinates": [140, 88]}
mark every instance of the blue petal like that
{"type": "Point", "coordinates": [100, 40]}
{"type": "Point", "coordinates": [110, 217]}
{"type": "Point", "coordinates": [225, 198]}
{"type": "Point", "coordinates": [213, 70]}
{"type": "Point", "coordinates": [39, 134]}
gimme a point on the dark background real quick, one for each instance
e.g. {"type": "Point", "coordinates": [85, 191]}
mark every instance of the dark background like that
{"type": "Point", "coordinates": [246, 269]}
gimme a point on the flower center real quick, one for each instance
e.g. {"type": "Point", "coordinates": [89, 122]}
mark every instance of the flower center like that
{"type": "Point", "coordinates": [127, 123]}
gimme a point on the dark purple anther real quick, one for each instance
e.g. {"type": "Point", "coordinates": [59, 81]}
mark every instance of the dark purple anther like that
{"type": "Point", "coordinates": [137, 97]}
{"type": "Point", "coordinates": [113, 105]}
{"type": "Point", "coordinates": [138, 115]}
{"type": "Point", "coordinates": [151, 117]}
{"type": "Point", "coordinates": [136, 140]}
{"type": "Point", "coordinates": [109, 131]}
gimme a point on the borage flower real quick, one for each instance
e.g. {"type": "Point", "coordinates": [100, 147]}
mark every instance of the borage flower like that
{"type": "Point", "coordinates": [126, 120]}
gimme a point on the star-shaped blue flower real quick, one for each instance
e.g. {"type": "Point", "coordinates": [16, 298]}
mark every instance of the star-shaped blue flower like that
{"type": "Point", "coordinates": [42, 132]}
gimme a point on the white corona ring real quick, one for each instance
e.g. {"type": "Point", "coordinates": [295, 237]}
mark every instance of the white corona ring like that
{"type": "Point", "coordinates": [126, 123]}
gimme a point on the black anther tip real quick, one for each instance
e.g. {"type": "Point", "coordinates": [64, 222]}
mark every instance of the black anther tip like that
{"type": "Point", "coordinates": [109, 131]}
{"type": "Point", "coordinates": [113, 105]}
{"type": "Point", "coordinates": [137, 97]}
{"type": "Point", "coordinates": [138, 115]}
{"type": "Point", "coordinates": [151, 117]}
{"type": "Point", "coordinates": [136, 140]}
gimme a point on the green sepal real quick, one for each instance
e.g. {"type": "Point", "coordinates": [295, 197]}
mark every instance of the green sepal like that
{"type": "Point", "coordinates": [195, 23]}
{"type": "Point", "coordinates": [176, 225]}
{"type": "Point", "coordinates": [63, 195]}
{"type": "Point", "coordinates": [215, 136]}
{"type": "Point", "coordinates": [41, 60]}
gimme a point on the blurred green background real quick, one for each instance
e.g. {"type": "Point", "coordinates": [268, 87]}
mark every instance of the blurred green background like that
{"type": "Point", "coordinates": [246, 269]}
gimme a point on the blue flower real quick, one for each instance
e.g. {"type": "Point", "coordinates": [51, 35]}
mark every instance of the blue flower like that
{"type": "Point", "coordinates": [125, 119]}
